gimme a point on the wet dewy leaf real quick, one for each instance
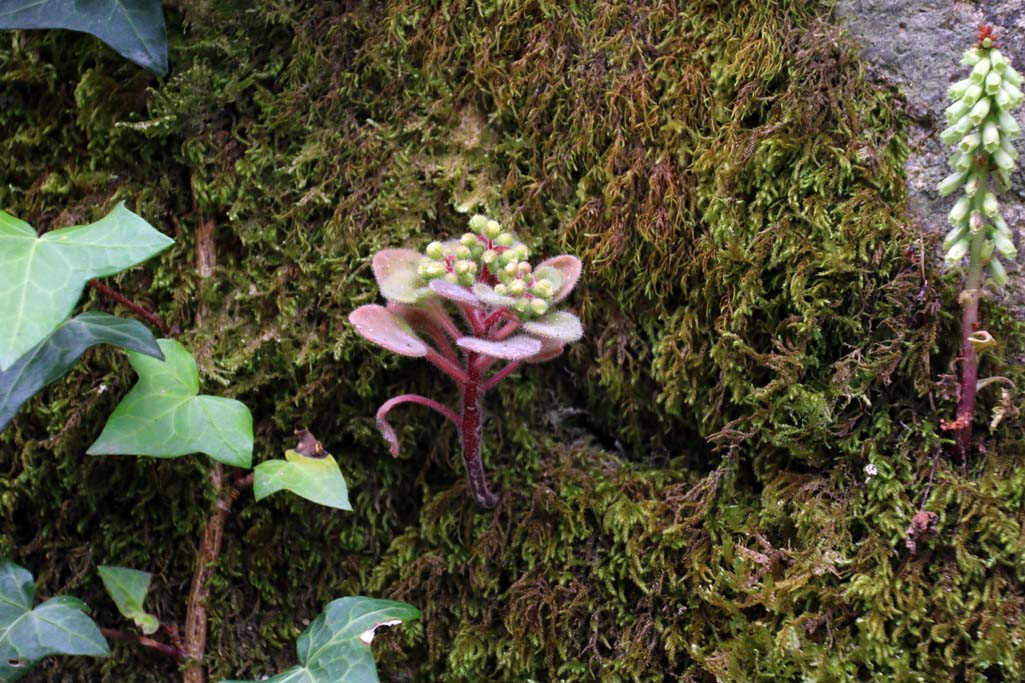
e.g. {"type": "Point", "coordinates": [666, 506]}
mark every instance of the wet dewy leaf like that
{"type": "Point", "coordinates": [377, 324]}
{"type": "Point", "coordinates": [163, 415]}
{"type": "Point", "coordinates": [54, 356]}
{"type": "Point", "coordinates": [43, 276]}
{"type": "Point", "coordinates": [316, 479]}
{"type": "Point", "coordinates": [59, 626]}
{"type": "Point", "coordinates": [453, 292]}
{"type": "Point", "coordinates": [128, 588]}
{"type": "Point", "coordinates": [560, 325]}
{"type": "Point", "coordinates": [563, 271]}
{"type": "Point", "coordinates": [135, 28]}
{"type": "Point", "coordinates": [336, 646]}
{"type": "Point", "coordinates": [487, 294]}
{"type": "Point", "coordinates": [514, 348]}
{"type": "Point", "coordinates": [396, 272]}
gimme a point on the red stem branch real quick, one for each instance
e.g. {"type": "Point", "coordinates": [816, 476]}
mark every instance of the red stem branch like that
{"type": "Point", "coordinates": [446, 366]}
{"type": "Point", "coordinates": [500, 375]}
{"type": "Point", "coordinates": [470, 430]}
{"type": "Point", "coordinates": [147, 315]}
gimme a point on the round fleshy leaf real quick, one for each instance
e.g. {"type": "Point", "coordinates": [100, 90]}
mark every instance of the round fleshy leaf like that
{"type": "Point", "coordinates": [397, 275]}
{"type": "Point", "coordinates": [378, 325]}
{"type": "Point", "coordinates": [453, 292]}
{"type": "Point", "coordinates": [563, 271]}
{"type": "Point", "coordinates": [560, 325]}
{"type": "Point", "coordinates": [550, 348]}
{"type": "Point", "coordinates": [487, 294]}
{"type": "Point", "coordinates": [514, 348]}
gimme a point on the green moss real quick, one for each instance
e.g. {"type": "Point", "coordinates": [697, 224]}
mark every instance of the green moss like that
{"type": "Point", "coordinates": [758, 331]}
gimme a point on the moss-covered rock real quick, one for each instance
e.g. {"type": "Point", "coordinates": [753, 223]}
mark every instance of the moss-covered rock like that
{"type": "Point", "coordinates": [760, 328]}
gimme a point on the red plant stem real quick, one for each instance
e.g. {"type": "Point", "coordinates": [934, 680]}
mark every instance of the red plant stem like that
{"type": "Point", "coordinates": [155, 645]}
{"type": "Point", "coordinates": [506, 330]}
{"type": "Point", "coordinates": [470, 429]}
{"type": "Point", "coordinates": [442, 342]}
{"type": "Point", "coordinates": [500, 314]}
{"type": "Point", "coordinates": [500, 375]}
{"type": "Point", "coordinates": [439, 408]}
{"type": "Point", "coordinates": [446, 366]}
{"type": "Point", "coordinates": [970, 365]}
{"type": "Point", "coordinates": [147, 315]}
{"type": "Point", "coordinates": [473, 317]}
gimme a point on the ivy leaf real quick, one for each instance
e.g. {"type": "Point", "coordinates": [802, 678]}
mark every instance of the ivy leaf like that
{"type": "Point", "coordinates": [43, 276]}
{"type": "Point", "coordinates": [336, 646]}
{"type": "Point", "coordinates": [163, 415]}
{"type": "Point", "coordinates": [59, 626]}
{"type": "Point", "coordinates": [135, 28]}
{"type": "Point", "coordinates": [128, 588]}
{"type": "Point", "coordinates": [53, 357]}
{"type": "Point", "coordinates": [307, 471]}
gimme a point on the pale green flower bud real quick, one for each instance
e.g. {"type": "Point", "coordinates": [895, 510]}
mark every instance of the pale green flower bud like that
{"type": "Point", "coordinates": [492, 230]}
{"type": "Point", "coordinates": [1004, 245]}
{"type": "Point", "coordinates": [478, 222]}
{"type": "Point", "coordinates": [501, 290]}
{"type": "Point", "coordinates": [987, 43]}
{"type": "Point", "coordinates": [462, 252]}
{"type": "Point", "coordinates": [543, 288]}
{"type": "Point", "coordinates": [522, 305]}
{"type": "Point", "coordinates": [435, 250]}
{"type": "Point", "coordinates": [997, 61]}
{"type": "Point", "coordinates": [958, 90]}
{"type": "Point", "coordinates": [504, 239]}
{"type": "Point", "coordinates": [463, 267]}
{"type": "Point", "coordinates": [961, 162]}
{"type": "Point", "coordinates": [997, 272]}
{"type": "Point", "coordinates": [1008, 124]}
{"type": "Point", "coordinates": [466, 279]}
{"type": "Point", "coordinates": [522, 251]}
{"type": "Point", "coordinates": [956, 253]}
{"type": "Point", "coordinates": [489, 257]}
{"type": "Point", "coordinates": [1003, 179]}
{"type": "Point", "coordinates": [972, 94]}
{"type": "Point", "coordinates": [950, 184]}
{"type": "Point", "coordinates": [524, 267]}
{"type": "Point", "coordinates": [980, 111]}
{"type": "Point", "coordinates": [975, 223]}
{"type": "Point", "coordinates": [990, 205]}
{"type": "Point", "coordinates": [1012, 76]}
{"type": "Point", "coordinates": [960, 210]}
{"type": "Point", "coordinates": [452, 277]}
{"type": "Point", "coordinates": [1006, 145]}
{"type": "Point", "coordinates": [477, 250]}
{"type": "Point", "coordinates": [506, 257]}
{"type": "Point", "coordinates": [1004, 160]}
{"type": "Point", "coordinates": [538, 306]}
{"type": "Point", "coordinates": [954, 236]}
{"type": "Point", "coordinates": [1001, 226]}
{"type": "Point", "coordinates": [987, 250]}
{"type": "Point", "coordinates": [990, 136]}
{"type": "Point", "coordinates": [980, 70]}
{"type": "Point", "coordinates": [971, 57]}
{"type": "Point", "coordinates": [434, 270]}
{"type": "Point", "coordinates": [517, 288]}
{"type": "Point", "coordinates": [972, 186]}
{"type": "Point", "coordinates": [969, 143]}
{"type": "Point", "coordinates": [993, 81]}
{"type": "Point", "coordinates": [468, 239]}
{"type": "Point", "coordinates": [1013, 96]}
{"type": "Point", "coordinates": [955, 111]}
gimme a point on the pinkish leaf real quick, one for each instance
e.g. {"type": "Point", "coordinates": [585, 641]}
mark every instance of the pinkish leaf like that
{"type": "Point", "coordinates": [397, 275]}
{"type": "Point", "coordinates": [487, 294]}
{"type": "Point", "coordinates": [514, 348]}
{"type": "Point", "coordinates": [563, 271]}
{"type": "Point", "coordinates": [550, 348]}
{"type": "Point", "coordinates": [378, 325]}
{"type": "Point", "coordinates": [559, 325]}
{"type": "Point", "coordinates": [427, 316]}
{"type": "Point", "coordinates": [453, 292]}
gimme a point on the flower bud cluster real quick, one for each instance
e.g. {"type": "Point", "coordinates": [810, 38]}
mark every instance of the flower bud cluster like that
{"type": "Point", "coordinates": [981, 127]}
{"type": "Point", "coordinates": [495, 257]}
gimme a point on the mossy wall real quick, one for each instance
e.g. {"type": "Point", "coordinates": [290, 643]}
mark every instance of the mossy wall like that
{"type": "Point", "coordinates": [684, 494]}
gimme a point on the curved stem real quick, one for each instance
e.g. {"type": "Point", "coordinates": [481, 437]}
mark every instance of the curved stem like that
{"type": "Point", "coordinates": [445, 365]}
{"type": "Point", "coordinates": [386, 429]}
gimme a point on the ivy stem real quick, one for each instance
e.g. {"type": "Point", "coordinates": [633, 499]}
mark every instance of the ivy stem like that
{"type": "Point", "coordinates": [147, 315]}
{"type": "Point", "coordinates": [969, 325]}
{"type": "Point", "coordinates": [155, 645]}
{"type": "Point", "coordinates": [470, 430]}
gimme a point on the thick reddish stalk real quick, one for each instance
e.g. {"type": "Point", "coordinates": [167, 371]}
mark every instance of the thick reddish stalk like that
{"type": "Point", "coordinates": [970, 362]}
{"type": "Point", "coordinates": [446, 366]}
{"type": "Point", "coordinates": [470, 430]}
{"type": "Point", "coordinates": [155, 645]}
{"type": "Point", "coordinates": [500, 375]}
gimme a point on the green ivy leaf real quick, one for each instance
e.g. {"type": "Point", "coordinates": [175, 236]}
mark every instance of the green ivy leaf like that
{"type": "Point", "coordinates": [43, 276]}
{"type": "Point", "coordinates": [59, 626]}
{"type": "Point", "coordinates": [53, 357]}
{"type": "Point", "coordinates": [163, 415]}
{"type": "Point", "coordinates": [316, 479]}
{"type": "Point", "coordinates": [135, 28]}
{"type": "Point", "coordinates": [336, 646]}
{"type": "Point", "coordinates": [128, 588]}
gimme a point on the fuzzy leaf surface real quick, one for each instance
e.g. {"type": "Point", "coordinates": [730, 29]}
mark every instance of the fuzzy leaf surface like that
{"type": "Point", "coordinates": [514, 348]}
{"type": "Point", "coordinates": [379, 325]}
{"type": "Point", "coordinates": [128, 588]}
{"type": "Point", "coordinates": [59, 626]}
{"type": "Point", "coordinates": [336, 646]}
{"type": "Point", "coordinates": [559, 326]}
{"type": "Point", "coordinates": [396, 272]}
{"type": "Point", "coordinates": [135, 28]}
{"type": "Point", "coordinates": [43, 276]}
{"type": "Point", "coordinates": [315, 479]}
{"type": "Point", "coordinates": [164, 416]}
{"type": "Point", "coordinates": [51, 359]}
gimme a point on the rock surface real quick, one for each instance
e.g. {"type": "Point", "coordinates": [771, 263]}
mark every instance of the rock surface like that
{"type": "Point", "coordinates": [918, 44]}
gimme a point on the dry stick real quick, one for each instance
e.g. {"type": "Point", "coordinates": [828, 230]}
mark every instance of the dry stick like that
{"type": "Point", "coordinates": [147, 315]}
{"type": "Point", "coordinates": [155, 645]}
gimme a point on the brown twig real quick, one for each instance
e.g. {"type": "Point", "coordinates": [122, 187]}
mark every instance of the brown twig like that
{"type": "Point", "coordinates": [145, 314]}
{"type": "Point", "coordinates": [155, 645]}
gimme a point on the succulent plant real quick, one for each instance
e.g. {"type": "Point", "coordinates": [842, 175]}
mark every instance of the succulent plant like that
{"type": "Point", "coordinates": [508, 307]}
